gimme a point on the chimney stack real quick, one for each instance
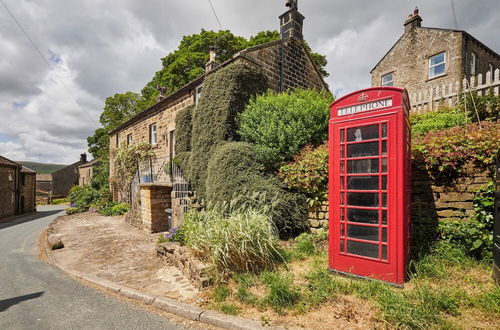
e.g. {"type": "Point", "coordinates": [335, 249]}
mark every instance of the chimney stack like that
{"type": "Point", "coordinates": [83, 158]}
{"type": "Point", "coordinates": [212, 62]}
{"type": "Point", "coordinates": [413, 21]}
{"type": "Point", "coordinates": [291, 22]}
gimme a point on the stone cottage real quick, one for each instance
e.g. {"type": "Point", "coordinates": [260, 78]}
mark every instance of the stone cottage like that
{"type": "Point", "coordinates": [285, 63]}
{"type": "Point", "coordinates": [66, 178]}
{"type": "Point", "coordinates": [17, 188]}
{"type": "Point", "coordinates": [86, 172]}
{"type": "Point", "coordinates": [435, 65]}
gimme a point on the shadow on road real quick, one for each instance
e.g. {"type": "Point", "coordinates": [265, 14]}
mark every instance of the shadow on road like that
{"type": "Point", "coordinates": [35, 216]}
{"type": "Point", "coordinates": [5, 304]}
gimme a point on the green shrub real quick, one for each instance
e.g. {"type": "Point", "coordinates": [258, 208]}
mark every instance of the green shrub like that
{"type": "Point", "coordinates": [73, 210]}
{"type": "Point", "coordinates": [445, 152]}
{"type": "Point", "coordinates": [475, 234]}
{"type": "Point", "coordinates": [114, 209]}
{"type": "Point", "coordinates": [436, 120]}
{"type": "Point", "coordinates": [280, 124]}
{"type": "Point", "coordinates": [183, 130]}
{"type": "Point", "coordinates": [83, 197]}
{"type": "Point", "coordinates": [231, 239]}
{"type": "Point", "coordinates": [485, 107]}
{"type": "Point", "coordinates": [234, 171]}
{"type": "Point", "coordinates": [58, 201]}
{"type": "Point", "coordinates": [282, 292]}
{"type": "Point", "coordinates": [308, 173]}
{"type": "Point", "coordinates": [225, 94]}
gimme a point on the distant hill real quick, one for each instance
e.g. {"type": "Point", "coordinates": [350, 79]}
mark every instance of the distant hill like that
{"type": "Point", "coordinates": [42, 168]}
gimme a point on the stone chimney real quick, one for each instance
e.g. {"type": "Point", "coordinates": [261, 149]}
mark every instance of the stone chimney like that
{"type": "Point", "coordinates": [291, 22]}
{"type": "Point", "coordinates": [413, 21]}
{"type": "Point", "coordinates": [83, 158]}
{"type": "Point", "coordinates": [212, 62]}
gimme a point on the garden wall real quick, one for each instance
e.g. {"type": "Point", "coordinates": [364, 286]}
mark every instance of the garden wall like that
{"type": "Point", "coordinates": [431, 202]}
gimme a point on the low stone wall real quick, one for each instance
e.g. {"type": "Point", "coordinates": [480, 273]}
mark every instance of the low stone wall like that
{"type": "Point", "coordinates": [431, 203]}
{"type": "Point", "coordinates": [149, 212]}
{"type": "Point", "coordinates": [180, 256]}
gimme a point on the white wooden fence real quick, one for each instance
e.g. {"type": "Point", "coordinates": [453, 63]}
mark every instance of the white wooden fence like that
{"type": "Point", "coordinates": [449, 94]}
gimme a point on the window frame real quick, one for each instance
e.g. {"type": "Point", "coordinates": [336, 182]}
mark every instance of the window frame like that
{"type": "Point", "coordinates": [391, 81]}
{"type": "Point", "coordinates": [130, 140]}
{"type": "Point", "coordinates": [435, 65]}
{"type": "Point", "coordinates": [473, 58]}
{"type": "Point", "coordinates": [151, 132]}
{"type": "Point", "coordinates": [197, 93]}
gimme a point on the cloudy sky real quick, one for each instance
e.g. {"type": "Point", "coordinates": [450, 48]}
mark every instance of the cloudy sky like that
{"type": "Point", "coordinates": [93, 49]}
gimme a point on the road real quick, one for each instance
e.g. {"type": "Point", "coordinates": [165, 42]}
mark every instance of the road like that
{"type": "Point", "coordinates": [36, 295]}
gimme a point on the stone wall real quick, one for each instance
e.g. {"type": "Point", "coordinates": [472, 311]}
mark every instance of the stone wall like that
{"type": "Point", "coordinates": [28, 192]}
{"type": "Point", "coordinates": [7, 191]}
{"type": "Point", "coordinates": [299, 70]}
{"type": "Point", "coordinates": [431, 203]}
{"type": "Point", "coordinates": [149, 212]}
{"type": "Point", "coordinates": [65, 179]}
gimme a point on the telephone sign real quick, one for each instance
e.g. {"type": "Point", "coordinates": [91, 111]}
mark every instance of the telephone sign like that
{"type": "Point", "coordinates": [370, 184]}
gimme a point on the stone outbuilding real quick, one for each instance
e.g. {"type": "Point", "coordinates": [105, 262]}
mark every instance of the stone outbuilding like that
{"type": "Point", "coordinates": [17, 188]}
{"type": "Point", "coordinates": [435, 65]}
{"type": "Point", "coordinates": [286, 64]}
{"type": "Point", "coordinates": [86, 172]}
{"type": "Point", "coordinates": [66, 178]}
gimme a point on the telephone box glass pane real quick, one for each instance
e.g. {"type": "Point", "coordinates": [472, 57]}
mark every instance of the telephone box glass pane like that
{"type": "Point", "coordinates": [362, 133]}
{"type": "Point", "coordinates": [363, 199]}
{"type": "Point", "coordinates": [384, 148]}
{"type": "Point", "coordinates": [362, 166]}
{"type": "Point", "coordinates": [342, 246]}
{"type": "Point", "coordinates": [366, 149]}
{"type": "Point", "coordinates": [384, 235]}
{"type": "Point", "coordinates": [384, 217]}
{"type": "Point", "coordinates": [384, 252]}
{"type": "Point", "coordinates": [363, 216]}
{"type": "Point", "coordinates": [384, 165]}
{"type": "Point", "coordinates": [384, 182]}
{"type": "Point", "coordinates": [384, 130]}
{"type": "Point", "coordinates": [362, 232]}
{"type": "Point", "coordinates": [362, 249]}
{"type": "Point", "coordinates": [362, 183]}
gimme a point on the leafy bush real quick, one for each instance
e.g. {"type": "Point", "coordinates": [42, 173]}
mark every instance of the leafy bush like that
{"type": "Point", "coordinates": [73, 210]}
{"type": "Point", "coordinates": [114, 209]}
{"type": "Point", "coordinates": [183, 129]}
{"type": "Point", "coordinates": [83, 197]}
{"type": "Point", "coordinates": [487, 106]}
{"type": "Point", "coordinates": [231, 239]}
{"type": "Point", "coordinates": [308, 173]}
{"type": "Point", "coordinates": [225, 94]}
{"type": "Point", "coordinates": [445, 152]}
{"type": "Point", "coordinates": [476, 234]}
{"type": "Point", "coordinates": [280, 124]}
{"type": "Point", "coordinates": [234, 171]}
{"type": "Point", "coordinates": [436, 120]}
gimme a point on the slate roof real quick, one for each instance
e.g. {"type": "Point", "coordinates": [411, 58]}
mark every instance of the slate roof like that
{"type": "Point", "coordinates": [7, 162]}
{"type": "Point", "coordinates": [91, 163]}
{"type": "Point", "coordinates": [27, 170]}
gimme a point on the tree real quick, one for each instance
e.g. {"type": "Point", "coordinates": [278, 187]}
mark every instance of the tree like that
{"type": "Point", "coordinates": [188, 61]}
{"type": "Point", "coordinates": [117, 109]}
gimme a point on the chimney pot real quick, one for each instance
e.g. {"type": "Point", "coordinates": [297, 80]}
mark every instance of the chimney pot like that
{"type": "Point", "coordinates": [83, 158]}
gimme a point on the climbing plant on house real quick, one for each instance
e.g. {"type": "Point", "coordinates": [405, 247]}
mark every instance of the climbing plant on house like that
{"type": "Point", "coordinates": [126, 164]}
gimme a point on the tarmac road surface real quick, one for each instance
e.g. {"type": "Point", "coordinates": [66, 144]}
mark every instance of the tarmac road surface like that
{"type": "Point", "coordinates": [36, 295]}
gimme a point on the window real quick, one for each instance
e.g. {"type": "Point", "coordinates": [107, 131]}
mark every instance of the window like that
{"type": "Point", "coordinates": [198, 93]}
{"type": "Point", "coordinates": [129, 139]}
{"type": "Point", "coordinates": [117, 140]}
{"type": "Point", "coordinates": [387, 80]}
{"type": "Point", "coordinates": [472, 63]}
{"type": "Point", "coordinates": [153, 135]}
{"type": "Point", "coordinates": [437, 65]}
{"type": "Point", "coordinates": [490, 69]}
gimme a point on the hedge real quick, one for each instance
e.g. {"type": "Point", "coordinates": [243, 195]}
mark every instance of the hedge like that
{"type": "Point", "coordinates": [233, 172]}
{"type": "Point", "coordinates": [225, 94]}
{"type": "Point", "coordinates": [183, 129]}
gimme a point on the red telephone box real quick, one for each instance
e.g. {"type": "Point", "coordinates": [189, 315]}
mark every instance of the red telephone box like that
{"type": "Point", "coordinates": [370, 184]}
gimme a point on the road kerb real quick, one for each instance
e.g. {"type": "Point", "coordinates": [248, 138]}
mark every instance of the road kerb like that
{"type": "Point", "coordinates": [189, 312]}
{"type": "Point", "coordinates": [229, 322]}
{"type": "Point", "coordinates": [135, 294]}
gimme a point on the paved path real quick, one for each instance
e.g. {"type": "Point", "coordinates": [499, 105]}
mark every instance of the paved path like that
{"type": "Point", "coordinates": [111, 249]}
{"type": "Point", "coordinates": [35, 295]}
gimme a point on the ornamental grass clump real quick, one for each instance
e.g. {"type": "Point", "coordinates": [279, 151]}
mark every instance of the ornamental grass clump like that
{"type": "Point", "coordinates": [232, 240]}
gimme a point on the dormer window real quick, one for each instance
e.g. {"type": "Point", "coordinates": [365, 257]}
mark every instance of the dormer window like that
{"type": "Point", "coordinates": [387, 80]}
{"type": "Point", "coordinates": [437, 65]}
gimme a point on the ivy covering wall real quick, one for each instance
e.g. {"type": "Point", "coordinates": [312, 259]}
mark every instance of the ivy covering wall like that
{"type": "Point", "coordinates": [225, 94]}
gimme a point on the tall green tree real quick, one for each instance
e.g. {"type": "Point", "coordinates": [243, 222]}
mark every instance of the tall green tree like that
{"type": "Point", "coordinates": [117, 109]}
